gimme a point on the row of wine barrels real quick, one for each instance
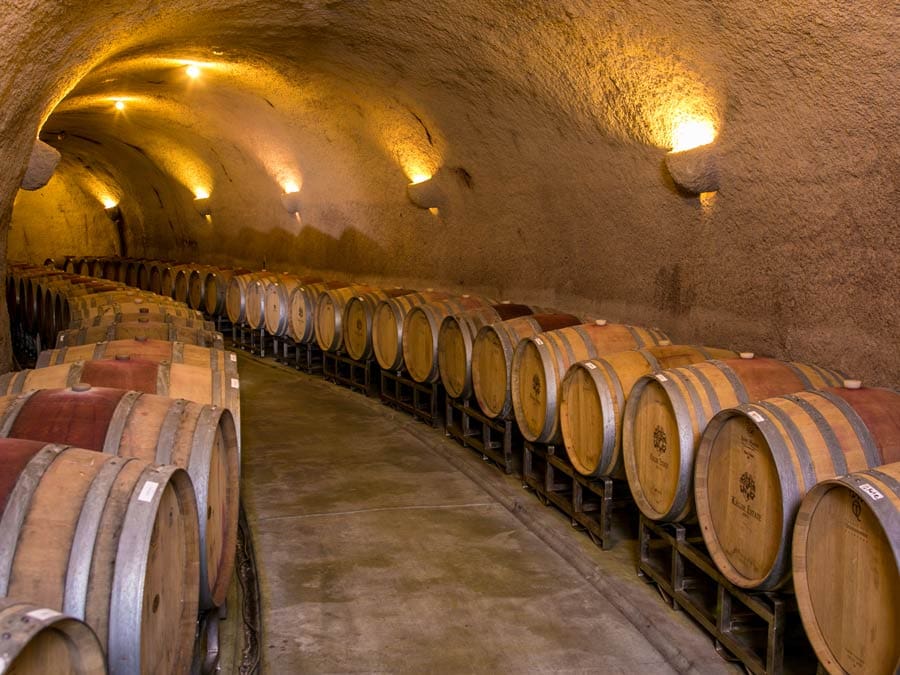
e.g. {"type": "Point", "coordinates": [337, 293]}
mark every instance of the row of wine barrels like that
{"type": "Point", "coordinates": [456, 337]}
{"type": "Point", "coordinates": [357, 320]}
{"type": "Point", "coordinates": [196, 295]}
{"type": "Point", "coordinates": [756, 462]}
{"type": "Point", "coordinates": [668, 411]}
{"type": "Point", "coordinates": [388, 324]}
{"type": "Point", "coordinates": [39, 640]}
{"type": "Point", "coordinates": [492, 355]}
{"type": "Point", "coordinates": [216, 289]}
{"type": "Point", "coordinates": [236, 295]}
{"type": "Point", "coordinates": [593, 397]}
{"type": "Point", "coordinates": [540, 363]}
{"type": "Point", "coordinates": [110, 540]}
{"type": "Point", "coordinates": [198, 438]}
{"type": "Point", "coordinates": [329, 318]}
{"type": "Point", "coordinates": [143, 348]}
{"type": "Point", "coordinates": [255, 297]}
{"type": "Point", "coordinates": [141, 329]}
{"type": "Point", "coordinates": [301, 326]}
{"type": "Point", "coordinates": [177, 316]}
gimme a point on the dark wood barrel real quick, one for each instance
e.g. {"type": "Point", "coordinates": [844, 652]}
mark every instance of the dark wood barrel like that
{"type": "Point", "coordinates": [217, 289]}
{"type": "Point", "coordinates": [329, 319]}
{"type": "Point", "coordinates": [846, 562]}
{"type": "Point", "coordinates": [492, 355]}
{"type": "Point", "coordinates": [154, 330]}
{"type": "Point", "coordinates": [357, 320]}
{"type": "Point", "coordinates": [387, 325]}
{"type": "Point", "coordinates": [38, 640]}
{"type": "Point", "coordinates": [196, 295]}
{"type": "Point", "coordinates": [457, 335]}
{"type": "Point", "coordinates": [167, 279]}
{"type": "Point", "coordinates": [109, 540]}
{"type": "Point", "coordinates": [199, 438]}
{"type": "Point", "coordinates": [668, 411]}
{"type": "Point", "coordinates": [540, 362]}
{"type": "Point", "coordinates": [593, 396]}
{"type": "Point", "coordinates": [756, 462]}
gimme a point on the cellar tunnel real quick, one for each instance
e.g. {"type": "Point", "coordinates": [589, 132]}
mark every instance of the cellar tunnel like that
{"type": "Point", "coordinates": [545, 127]}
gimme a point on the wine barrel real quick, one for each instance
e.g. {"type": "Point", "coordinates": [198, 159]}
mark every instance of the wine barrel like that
{"type": "Point", "coordinates": [110, 540]}
{"type": "Point", "coordinates": [197, 285]}
{"type": "Point", "coordinates": [111, 268]}
{"type": "Point", "coordinates": [593, 396]}
{"type": "Point", "coordinates": [846, 562]}
{"type": "Point", "coordinates": [38, 640]}
{"type": "Point", "coordinates": [167, 279]}
{"type": "Point", "coordinates": [156, 310]}
{"type": "Point", "coordinates": [278, 304]}
{"type": "Point", "coordinates": [202, 384]}
{"type": "Point", "coordinates": [540, 362]}
{"type": "Point", "coordinates": [236, 295]}
{"type": "Point", "coordinates": [492, 355]}
{"type": "Point", "coordinates": [30, 296]}
{"type": "Point", "coordinates": [329, 325]}
{"type": "Point", "coordinates": [255, 298]}
{"type": "Point", "coordinates": [71, 264]}
{"type": "Point", "coordinates": [387, 325]}
{"type": "Point", "coordinates": [176, 318]}
{"type": "Point", "coordinates": [143, 348]}
{"type": "Point", "coordinates": [137, 272]}
{"type": "Point", "coordinates": [54, 293]}
{"type": "Point", "coordinates": [198, 438]}
{"type": "Point", "coordinates": [302, 319]}
{"type": "Point", "coordinates": [357, 320]}
{"type": "Point", "coordinates": [84, 266]}
{"type": "Point", "coordinates": [756, 462]}
{"type": "Point", "coordinates": [217, 289]}
{"type": "Point", "coordinates": [153, 330]}
{"type": "Point", "coordinates": [667, 412]}
{"type": "Point", "coordinates": [457, 335]}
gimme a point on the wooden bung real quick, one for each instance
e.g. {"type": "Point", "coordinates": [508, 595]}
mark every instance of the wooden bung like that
{"type": "Point", "coordinates": [387, 325]}
{"type": "Point", "coordinates": [756, 462]}
{"type": "Point", "coordinates": [540, 362]}
{"type": "Point", "coordinates": [142, 328]}
{"type": "Point", "coordinates": [38, 640]}
{"type": "Point", "coordinates": [198, 438]}
{"type": "Point", "coordinates": [846, 562]}
{"type": "Point", "coordinates": [593, 396]}
{"type": "Point", "coordinates": [110, 540]}
{"type": "Point", "coordinates": [457, 335]}
{"type": "Point", "coordinates": [492, 355]}
{"type": "Point", "coordinates": [668, 411]}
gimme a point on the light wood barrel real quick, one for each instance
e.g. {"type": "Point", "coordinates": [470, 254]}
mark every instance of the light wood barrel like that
{"type": "Point", "coordinates": [456, 337]}
{"type": "Point", "coordinates": [255, 298]}
{"type": "Point", "coordinates": [302, 320]}
{"type": "Point", "coordinates": [143, 348]}
{"type": "Point", "coordinates": [38, 640]}
{"type": "Point", "coordinates": [110, 540]}
{"type": "Point", "coordinates": [492, 355]}
{"type": "Point", "coordinates": [357, 320]}
{"type": "Point", "coordinates": [236, 295]}
{"type": "Point", "coordinates": [154, 330]}
{"type": "Point", "coordinates": [756, 462]}
{"type": "Point", "coordinates": [203, 384]}
{"type": "Point", "coordinates": [199, 438]}
{"type": "Point", "coordinates": [278, 303]}
{"type": "Point", "coordinates": [197, 286]}
{"type": "Point", "coordinates": [540, 363]}
{"type": "Point", "coordinates": [667, 412]}
{"type": "Point", "coordinates": [55, 302]}
{"type": "Point", "coordinates": [593, 396]}
{"type": "Point", "coordinates": [387, 325]}
{"type": "Point", "coordinates": [215, 297]}
{"type": "Point", "coordinates": [330, 306]}
{"type": "Point", "coordinates": [174, 317]}
{"type": "Point", "coordinates": [846, 561]}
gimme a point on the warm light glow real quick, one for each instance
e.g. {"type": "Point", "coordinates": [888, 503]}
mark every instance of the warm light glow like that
{"type": "Point", "coordinates": [290, 187]}
{"type": "Point", "coordinates": [120, 105]}
{"type": "Point", "coordinates": [419, 178]}
{"type": "Point", "coordinates": [434, 211]}
{"type": "Point", "coordinates": [108, 202]}
{"type": "Point", "coordinates": [692, 132]}
{"type": "Point", "coordinates": [201, 193]}
{"type": "Point", "coordinates": [193, 71]}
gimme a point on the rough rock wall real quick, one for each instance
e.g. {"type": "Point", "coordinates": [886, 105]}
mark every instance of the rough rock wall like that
{"type": "Point", "coordinates": [551, 122]}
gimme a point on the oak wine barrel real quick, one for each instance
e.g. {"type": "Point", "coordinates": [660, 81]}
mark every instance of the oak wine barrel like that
{"type": "Point", "coordinates": [756, 462]}
{"type": "Point", "coordinates": [846, 561]}
{"type": "Point", "coordinates": [329, 318]}
{"type": "Point", "coordinates": [197, 286]}
{"type": "Point", "coordinates": [109, 540]}
{"type": "Point", "coordinates": [162, 278]}
{"type": "Point", "coordinates": [154, 330]}
{"type": "Point", "coordinates": [278, 304]}
{"type": "Point", "coordinates": [357, 320]}
{"type": "Point", "coordinates": [456, 336]}
{"type": "Point", "coordinates": [668, 411]}
{"type": "Point", "coordinates": [236, 295]}
{"type": "Point", "coordinates": [593, 396]}
{"type": "Point", "coordinates": [302, 318]}
{"type": "Point", "coordinates": [387, 325]}
{"type": "Point", "coordinates": [199, 438]}
{"type": "Point", "coordinates": [38, 640]}
{"type": "Point", "coordinates": [217, 289]}
{"type": "Point", "coordinates": [143, 348]}
{"type": "Point", "coordinates": [492, 354]}
{"type": "Point", "coordinates": [177, 316]}
{"type": "Point", "coordinates": [540, 363]}
{"type": "Point", "coordinates": [255, 298]}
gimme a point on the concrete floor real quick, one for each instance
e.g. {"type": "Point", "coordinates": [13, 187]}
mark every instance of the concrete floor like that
{"type": "Point", "coordinates": [384, 547]}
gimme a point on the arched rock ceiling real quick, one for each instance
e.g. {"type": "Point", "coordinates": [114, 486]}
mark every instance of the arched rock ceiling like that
{"type": "Point", "coordinates": [550, 121]}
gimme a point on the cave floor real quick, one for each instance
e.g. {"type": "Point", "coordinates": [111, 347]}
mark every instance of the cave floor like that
{"type": "Point", "coordinates": [383, 546]}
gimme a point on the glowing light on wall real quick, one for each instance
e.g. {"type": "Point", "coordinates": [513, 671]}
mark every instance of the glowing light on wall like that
{"type": "Point", "coordinates": [120, 105]}
{"type": "Point", "coordinates": [290, 187]}
{"type": "Point", "coordinates": [201, 193]}
{"type": "Point", "coordinates": [193, 71]}
{"type": "Point", "coordinates": [692, 132]}
{"type": "Point", "coordinates": [419, 177]}
{"type": "Point", "coordinates": [108, 201]}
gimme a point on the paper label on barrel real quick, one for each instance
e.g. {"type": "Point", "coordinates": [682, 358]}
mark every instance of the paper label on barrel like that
{"type": "Point", "coordinates": [590, 365]}
{"type": "Point", "coordinates": [539, 342]}
{"type": "Point", "coordinates": [148, 491]}
{"type": "Point", "coordinates": [662, 378]}
{"type": "Point", "coordinates": [872, 493]}
{"type": "Point", "coordinates": [235, 383]}
{"type": "Point", "coordinates": [755, 416]}
{"type": "Point", "coordinates": [233, 357]}
{"type": "Point", "coordinates": [43, 614]}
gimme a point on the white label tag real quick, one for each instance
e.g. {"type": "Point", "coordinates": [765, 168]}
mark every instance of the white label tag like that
{"type": "Point", "coordinates": [539, 342]}
{"type": "Point", "coordinates": [874, 494]}
{"type": "Point", "coordinates": [590, 365]}
{"type": "Point", "coordinates": [661, 378]}
{"type": "Point", "coordinates": [233, 357]}
{"type": "Point", "coordinates": [235, 383]}
{"type": "Point", "coordinates": [755, 416]}
{"type": "Point", "coordinates": [43, 614]}
{"type": "Point", "coordinates": [148, 491]}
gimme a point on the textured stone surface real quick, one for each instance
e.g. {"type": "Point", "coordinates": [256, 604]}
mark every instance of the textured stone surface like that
{"type": "Point", "coordinates": [695, 171]}
{"type": "Point", "coordinates": [552, 119]}
{"type": "Point", "coordinates": [41, 165]}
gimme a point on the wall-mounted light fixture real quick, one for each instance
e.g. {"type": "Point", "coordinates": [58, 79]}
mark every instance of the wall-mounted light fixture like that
{"type": "Point", "coordinates": [291, 201]}
{"type": "Point", "coordinates": [427, 192]}
{"type": "Point", "coordinates": [201, 203]}
{"type": "Point", "coordinates": [113, 212]}
{"type": "Point", "coordinates": [693, 162]}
